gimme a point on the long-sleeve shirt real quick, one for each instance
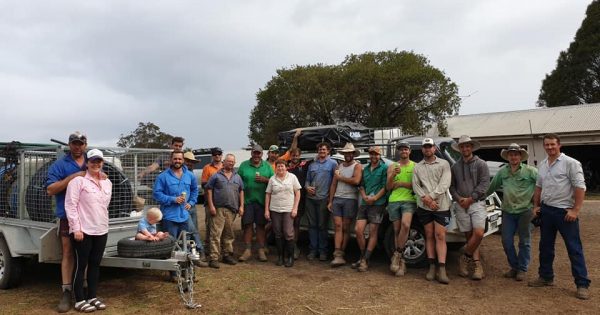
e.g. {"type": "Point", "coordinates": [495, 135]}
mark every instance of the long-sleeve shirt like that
{"type": "Point", "coordinates": [432, 179]}
{"type": "Point", "coordinates": [86, 205]}
{"type": "Point", "coordinates": [471, 179]}
{"type": "Point", "coordinates": [517, 187]}
{"type": "Point", "coordinates": [559, 180]}
{"type": "Point", "coordinates": [168, 187]}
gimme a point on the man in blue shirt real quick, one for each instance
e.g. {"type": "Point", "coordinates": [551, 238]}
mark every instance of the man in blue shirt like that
{"type": "Point", "coordinates": [60, 173]}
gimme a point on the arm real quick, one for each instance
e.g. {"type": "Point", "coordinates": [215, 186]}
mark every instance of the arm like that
{"type": "Point", "coordinates": [494, 184]}
{"type": "Point", "coordinates": [193, 192]}
{"type": "Point", "coordinates": [356, 176]}
{"type": "Point", "coordinates": [296, 202]}
{"type": "Point", "coordinates": [483, 181]}
{"type": "Point", "coordinates": [295, 140]}
{"type": "Point", "coordinates": [160, 192]}
{"type": "Point", "coordinates": [267, 206]}
{"type": "Point", "coordinates": [578, 182]}
{"type": "Point", "coordinates": [60, 185]}
{"type": "Point", "coordinates": [537, 200]}
{"type": "Point", "coordinates": [453, 184]}
{"type": "Point", "coordinates": [241, 210]}
{"type": "Point", "coordinates": [211, 205]}
{"type": "Point", "coordinates": [149, 169]}
{"type": "Point", "coordinates": [444, 183]}
{"type": "Point", "coordinates": [332, 189]}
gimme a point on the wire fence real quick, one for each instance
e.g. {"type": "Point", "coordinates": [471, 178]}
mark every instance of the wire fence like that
{"type": "Point", "coordinates": [23, 191]}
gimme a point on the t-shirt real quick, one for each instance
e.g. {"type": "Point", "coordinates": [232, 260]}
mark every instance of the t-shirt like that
{"type": "Point", "coordinates": [254, 192]}
{"type": "Point", "coordinates": [405, 176]}
{"type": "Point", "coordinates": [58, 171]}
{"type": "Point", "coordinates": [144, 225]}
{"type": "Point", "coordinates": [209, 170]}
{"type": "Point", "coordinates": [282, 192]}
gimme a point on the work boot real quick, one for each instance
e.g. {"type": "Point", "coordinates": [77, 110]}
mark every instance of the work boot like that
{"type": "Point", "coordinates": [355, 265]}
{"type": "Point", "coordinates": [464, 264]}
{"type": "Point", "coordinates": [311, 256]}
{"type": "Point", "coordinates": [583, 293]}
{"type": "Point", "coordinates": [401, 268]}
{"type": "Point", "coordinates": [65, 302]}
{"type": "Point", "coordinates": [541, 282]}
{"type": "Point", "coordinates": [245, 255]}
{"type": "Point", "coordinates": [279, 245]}
{"type": "Point", "coordinates": [430, 276]}
{"type": "Point", "coordinates": [512, 273]}
{"type": "Point", "coordinates": [363, 266]}
{"type": "Point", "coordinates": [521, 275]}
{"type": "Point", "coordinates": [323, 256]}
{"type": "Point", "coordinates": [200, 263]}
{"type": "Point", "coordinates": [262, 255]}
{"type": "Point", "coordinates": [214, 264]}
{"type": "Point", "coordinates": [442, 276]}
{"type": "Point", "coordinates": [477, 270]}
{"type": "Point", "coordinates": [395, 263]}
{"type": "Point", "coordinates": [338, 258]}
{"type": "Point", "coordinates": [229, 260]}
{"type": "Point", "coordinates": [291, 247]}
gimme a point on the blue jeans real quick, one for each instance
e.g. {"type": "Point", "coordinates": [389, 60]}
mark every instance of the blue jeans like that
{"type": "Point", "coordinates": [553, 220]}
{"type": "Point", "coordinates": [511, 225]}
{"type": "Point", "coordinates": [175, 228]}
{"type": "Point", "coordinates": [318, 223]}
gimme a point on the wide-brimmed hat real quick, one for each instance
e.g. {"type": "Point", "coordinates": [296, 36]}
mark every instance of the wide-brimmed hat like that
{"type": "Point", "coordinates": [516, 148]}
{"type": "Point", "coordinates": [375, 149]}
{"type": "Point", "coordinates": [349, 148]}
{"type": "Point", "coordinates": [190, 156]}
{"type": "Point", "coordinates": [466, 139]}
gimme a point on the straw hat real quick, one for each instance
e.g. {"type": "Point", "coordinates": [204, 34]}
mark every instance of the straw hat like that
{"type": "Point", "coordinates": [516, 148]}
{"type": "Point", "coordinates": [466, 139]}
{"type": "Point", "coordinates": [349, 148]}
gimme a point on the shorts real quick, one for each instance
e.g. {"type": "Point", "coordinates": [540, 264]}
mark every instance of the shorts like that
{"type": "Point", "coordinates": [371, 213]}
{"type": "Point", "coordinates": [397, 208]}
{"type": "Point", "coordinates": [472, 218]}
{"type": "Point", "coordinates": [427, 216]}
{"type": "Point", "coordinates": [344, 207]}
{"type": "Point", "coordinates": [254, 213]}
{"type": "Point", "coordinates": [63, 227]}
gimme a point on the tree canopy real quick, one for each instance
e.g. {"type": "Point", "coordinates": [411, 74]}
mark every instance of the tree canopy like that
{"type": "Point", "coordinates": [576, 78]}
{"type": "Point", "coordinates": [147, 136]}
{"type": "Point", "coordinates": [383, 89]}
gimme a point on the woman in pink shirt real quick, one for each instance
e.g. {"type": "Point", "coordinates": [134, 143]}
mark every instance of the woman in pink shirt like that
{"type": "Point", "coordinates": [86, 205]}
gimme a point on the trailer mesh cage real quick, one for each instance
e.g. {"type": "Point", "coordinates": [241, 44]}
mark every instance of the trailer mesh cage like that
{"type": "Point", "coordinates": [24, 173]}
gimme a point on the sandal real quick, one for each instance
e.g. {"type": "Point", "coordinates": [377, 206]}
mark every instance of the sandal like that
{"type": "Point", "coordinates": [84, 307]}
{"type": "Point", "coordinates": [97, 304]}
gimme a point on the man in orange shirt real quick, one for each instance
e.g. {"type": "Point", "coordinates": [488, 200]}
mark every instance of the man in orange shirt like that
{"type": "Point", "coordinates": [207, 172]}
{"type": "Point", "coordinates": [273, 154]}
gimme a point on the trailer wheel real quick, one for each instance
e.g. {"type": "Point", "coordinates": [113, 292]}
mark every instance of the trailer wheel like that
{"type": "Point", "coordinates": [132, 248]}
{"type": "Point", "coordinates": [10, 267]}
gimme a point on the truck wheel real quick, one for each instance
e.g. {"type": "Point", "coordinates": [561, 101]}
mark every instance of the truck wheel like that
{"type": "Point", "coordinates": [132, 248]}
{"type": "Point", "coordinates": [10, 267]}
{"type": "Point", "coordinates": [416, 254]}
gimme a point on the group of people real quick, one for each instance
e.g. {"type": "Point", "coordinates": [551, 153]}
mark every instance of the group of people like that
{"type": "Point", "coordinates": [282, 189]}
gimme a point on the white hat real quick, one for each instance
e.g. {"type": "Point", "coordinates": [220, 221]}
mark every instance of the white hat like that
{"type": "Point", "coordinates": [514, 147]}
{"type": "Point", "coordinates": [427, 141]}
{"type": "Point", "coordinates": [95, 154]}
{"type": "Point", "coordinates": [349, 148]}
{"type": "Point", "coordinates": [466, 139]}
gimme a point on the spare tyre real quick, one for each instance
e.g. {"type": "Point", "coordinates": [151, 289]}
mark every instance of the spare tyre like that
{"type": "Point", "coordinates": [132, 248]}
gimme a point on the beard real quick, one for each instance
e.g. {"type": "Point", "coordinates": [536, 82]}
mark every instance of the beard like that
{"type": "Point", "coordinates": [176, 165]}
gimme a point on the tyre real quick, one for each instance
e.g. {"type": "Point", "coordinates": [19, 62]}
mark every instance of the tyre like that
{"type": "Point", "coordinates": [10, 267]}
{"type": "Point", "coordinates": [415, 254]}
{"type": "Point", "coordinates": [132, 248]}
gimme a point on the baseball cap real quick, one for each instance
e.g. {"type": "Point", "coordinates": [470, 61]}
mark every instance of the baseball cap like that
{"type": "Point", "coordinates": [427, 141]}
{"type": "Point", "coordinates": [273, 148]}
{"type": "Point", "coordinates": [257, 147]}
{"type": "Point", "coordinates": [216, 151]}
{"type": "Point", "coordinates": [95, 154]}
{"type": "Point", "coordinates": [403, 144]}
{"type": "Point", "coordinates": [77, 136]}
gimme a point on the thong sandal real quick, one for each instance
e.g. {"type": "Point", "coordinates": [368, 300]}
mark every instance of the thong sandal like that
{"type": "Point", "coordinates": [84, 307]}
{"type": "Point", "coordinates": [97, 304]}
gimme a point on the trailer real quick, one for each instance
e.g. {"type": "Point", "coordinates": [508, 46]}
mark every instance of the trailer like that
{"type": "Point", "coordinates": [29, 229]}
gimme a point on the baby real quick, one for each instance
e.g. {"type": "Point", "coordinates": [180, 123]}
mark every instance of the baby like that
{"type": "Point", "coordinates": [147, 227]}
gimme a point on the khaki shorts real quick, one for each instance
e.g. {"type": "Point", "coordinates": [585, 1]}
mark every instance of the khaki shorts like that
{"type": "Point", "coordinates": [472, 218]}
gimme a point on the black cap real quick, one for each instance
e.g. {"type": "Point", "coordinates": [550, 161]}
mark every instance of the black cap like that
{"type": "Point", "coordinates": [216, 150]}
{"type": "Point", "coordinates": [77, 136]}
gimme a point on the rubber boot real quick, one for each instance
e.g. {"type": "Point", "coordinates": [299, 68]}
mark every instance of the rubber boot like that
{"type": "Point", "coordinates": [279, 244]}
{"type": "Point", "coordinates": [291, 246]}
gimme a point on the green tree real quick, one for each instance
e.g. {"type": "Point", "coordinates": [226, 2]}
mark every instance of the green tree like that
{"type": "Point", "coordinates": [576, 78]}
{"type": "Point", "coordinates": [389, 88]}
{"type": "Point", "coordinates": [147, 136]}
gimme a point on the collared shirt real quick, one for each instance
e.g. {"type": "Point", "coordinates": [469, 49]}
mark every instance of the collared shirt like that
{"type": "Point", "coordinates": [209, 170]}
{"type": "Point", "coordinates": [405, 176]}
{"type": "Point", "coordinates": [320, 175]}
{"type": "Point", "coordinates": [86, 205]}
{"type": "Point", "coordinates": [559, 180]}
{"type": "Point", "coordinates": [253, 190]}
{"type": "Point", "coordinates": [226, 191]}
{"type": "Point", "coordinates": [144, 225]}
{"type": "Point", "coordinates": [168, 187]}
{"type": "Point", "coordinates": [373, 181]}
{"type": "Point", "coordinates": [432, 179]}
{"type": "Point", "coordinates": [517, 187]}
{"type": "Point", "coordinates": [58, 171]}
{"type": "Point", "coordinates": [282, 192]}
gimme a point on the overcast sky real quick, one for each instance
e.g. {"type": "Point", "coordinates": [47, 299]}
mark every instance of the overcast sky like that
{"type": "Point", "coordinates": [194, 67]}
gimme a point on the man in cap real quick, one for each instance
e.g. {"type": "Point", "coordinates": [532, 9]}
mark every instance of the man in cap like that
{"type": "Point", "coordinates": [343, 200]}
{"type": "Point", "coordinates": [401, 203]}
{"type": "Point", "coordinates": [255, 174]}
{"type": "Point", "coordinates": [431, 180]}
{"type": "Point", "coordinates": [318, 182]}
{"type": "Point", "coordinates": [557, 199]}
{"type": "Point", "coordinates": [372, 205]}
{"type": "Point", "coordinates": [273, 153]}
{"type": "Point", "coordinates": [162, 162]}
{"type": "Point", "coordinates": [517, 181]}
{"type": "Point", "coordinates": [208, 171]}
{"type": "Point", "coordinates": [470, 182]}
{"type": "Point", "coordinates": [60, 174]}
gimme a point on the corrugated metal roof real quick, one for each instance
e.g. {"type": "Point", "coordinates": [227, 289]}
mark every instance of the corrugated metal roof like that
{"type": "Point", "coordinates": [563, 119]}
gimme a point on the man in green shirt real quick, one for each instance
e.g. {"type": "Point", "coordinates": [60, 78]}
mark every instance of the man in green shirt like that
{"type": "Point", "coordinates": [402, 203]}
{"type": "Point", "coordinates": [517, 181]}
{"type": "Point", "coordinates": [371, 205]}
{"type": "Point", "coordinates": [255, 174]}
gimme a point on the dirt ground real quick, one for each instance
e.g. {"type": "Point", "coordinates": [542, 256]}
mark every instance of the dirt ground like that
{"type": "Point", "coordinates": [315, 288]}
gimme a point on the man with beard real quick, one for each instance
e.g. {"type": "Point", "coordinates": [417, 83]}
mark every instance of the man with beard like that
{"type": "Point", "coordinates": [162, 162]}
{"type": "Point", "coordinates": [59, 175]}
{"type": "Point", "coordinates": [470, 182]}
{"type": "Point", "coordinates": [273, 154]}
